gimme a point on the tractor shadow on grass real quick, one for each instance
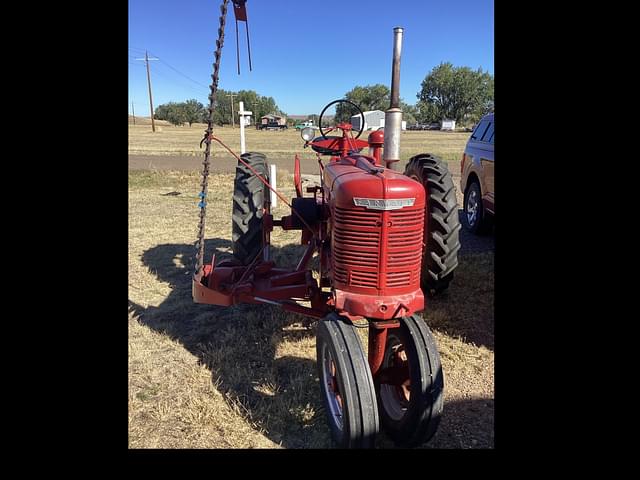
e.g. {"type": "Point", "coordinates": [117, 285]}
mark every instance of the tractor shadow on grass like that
{"type": "Point", "coordinates": [471, 243]}
{"type": "Point", "coordinates": [466, 309]}
{"type": "Point", "coordinates": [239, 344]}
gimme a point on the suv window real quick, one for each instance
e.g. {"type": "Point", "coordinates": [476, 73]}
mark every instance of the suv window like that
{"type": "Point", "coordinates": [488, 135]}
{"type": "Point", "coordinates": [479, 131]}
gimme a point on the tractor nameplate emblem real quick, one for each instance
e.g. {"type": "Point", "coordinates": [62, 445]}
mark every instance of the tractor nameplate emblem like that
{"type": "Point", "coordinates": [384, 204]}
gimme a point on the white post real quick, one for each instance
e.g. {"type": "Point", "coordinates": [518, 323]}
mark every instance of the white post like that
{"type": "Point", "coordinates": [272, 181]}
{"type": "Point", "coordinates": [241, 113]}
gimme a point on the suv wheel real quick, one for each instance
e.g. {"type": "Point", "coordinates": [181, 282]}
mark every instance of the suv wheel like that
{"type": "Point", "coordinates": [474, 216]}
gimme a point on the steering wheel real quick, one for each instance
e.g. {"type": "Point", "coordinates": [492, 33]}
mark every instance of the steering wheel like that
{"type": "Point", "coordinates": [333, 128]}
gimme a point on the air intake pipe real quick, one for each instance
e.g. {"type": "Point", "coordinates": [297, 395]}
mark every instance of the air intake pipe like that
{"type": "Point", "coordinates": [393, 116]}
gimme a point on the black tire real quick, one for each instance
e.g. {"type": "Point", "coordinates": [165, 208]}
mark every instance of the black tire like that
{"type": "Point", "coordinates": [249, 195]}
{"type": "Point", "coordinates": [414, 421]}
{"type": "Point", "coordinates": [477, 222]}
{"type": "Point", "coordinates": [440, 256]}
{"type": "Point", "coordinates": [351, 410]}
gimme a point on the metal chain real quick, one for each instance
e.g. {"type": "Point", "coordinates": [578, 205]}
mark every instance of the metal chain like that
{"type": "Point", "coordinates": [207, 139]}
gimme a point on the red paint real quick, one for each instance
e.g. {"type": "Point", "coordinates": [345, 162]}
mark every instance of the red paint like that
{"type": "Point", "coordinates": [376, 141]}
{"type": "Point", "coordinates": [371, 259]}
{"type": "Point", "coordinates": [297, 178]}
{"type": "Point", "coordinates": [377, 343]}
{"type": "Point", "coordinates": [240, 10]}
{"type": "Point", "coordinates": [375, 253]}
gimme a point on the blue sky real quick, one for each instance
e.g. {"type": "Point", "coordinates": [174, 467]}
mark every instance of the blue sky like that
{"type": "Point", "coordinates": [303, 54]}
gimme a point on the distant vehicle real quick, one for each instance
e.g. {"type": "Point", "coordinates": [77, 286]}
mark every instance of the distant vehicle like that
{"type": "Point", "coordinates": [424, 126]}
{"type": "Point", "coordinates": [308, 123]}
{"type": "Point", "coordinates": [477, 178]}
{"type": "Point", "coordinates": [272, 125]}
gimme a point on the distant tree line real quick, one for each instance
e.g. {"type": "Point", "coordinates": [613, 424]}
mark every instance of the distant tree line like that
{"type": "Point", "coordinates": [193, 111]}
{"type": "Point", "coordinates": [447, 92]}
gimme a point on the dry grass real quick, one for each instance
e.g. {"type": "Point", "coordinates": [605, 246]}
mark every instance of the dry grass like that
{"type": "Point", "coordinates": [245, 377]}
{"type": "Point", "coordinates": [185, 141]}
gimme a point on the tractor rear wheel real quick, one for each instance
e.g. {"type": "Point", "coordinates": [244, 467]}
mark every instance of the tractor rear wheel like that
{"type": "Point", "coordinates": [249, 195]}
{"type": "Point", "coordinates": [346, 384]}
{"type": "Point", "coordinates": [410, 405]}
{"type": "Point", "coordinates": [442, 225]}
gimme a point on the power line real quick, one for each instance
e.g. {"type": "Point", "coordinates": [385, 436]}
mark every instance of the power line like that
{"type": "Point", "coordinates": [182, 85]}
{"type": "Point", "coordinates": [184, 75]}
{"type": "Point", "coordinates": [177, 71]}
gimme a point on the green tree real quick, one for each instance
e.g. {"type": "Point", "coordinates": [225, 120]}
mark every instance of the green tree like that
{"type": "Point", "coordinates": [253, 101]}
{"type": "Point", "coordinates": [172, 112]}
{"type": "Point", "coordinates": [193, 111]}
{"type": "Point", "coordinates": [162, 111]}
{"type": "Point", "coordinates": [409, 112]}
{"type": "Point", "coordinates": [177, 114]}
{"type": "Point", "coordinates": [457, 93]}
{"type": "Point", "coordinates": [370, 97]}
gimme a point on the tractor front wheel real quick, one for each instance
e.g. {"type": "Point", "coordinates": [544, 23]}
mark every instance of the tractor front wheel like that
{"type": "Point", "coordinates": [249, 195]}
{"type": "Point", "coordinates": [346, 384]}
{"type": "Point", "coordinates": [409, 384]}
{"type": "Point", "coordinates": [442, 224]}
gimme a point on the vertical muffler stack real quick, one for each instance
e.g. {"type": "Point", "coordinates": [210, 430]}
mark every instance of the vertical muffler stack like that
{"type": "Point", "coordinates": [393, 116]}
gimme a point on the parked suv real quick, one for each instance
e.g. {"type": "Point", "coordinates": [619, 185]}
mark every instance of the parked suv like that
{"type": "Point", "coordinates": [477, 180]}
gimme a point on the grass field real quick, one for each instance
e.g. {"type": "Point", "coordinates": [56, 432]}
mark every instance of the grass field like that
{"type": "Point", "coordinates": [245, 376]}
{"type": "Point", "coordinates": [170, 140]}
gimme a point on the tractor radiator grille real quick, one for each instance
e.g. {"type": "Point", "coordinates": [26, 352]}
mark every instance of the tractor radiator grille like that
{"type": "Point", "coordinates": [357, 249]}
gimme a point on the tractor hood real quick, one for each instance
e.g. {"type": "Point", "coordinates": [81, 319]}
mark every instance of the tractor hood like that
{"type": "Point", "coordinates": [354, 181]}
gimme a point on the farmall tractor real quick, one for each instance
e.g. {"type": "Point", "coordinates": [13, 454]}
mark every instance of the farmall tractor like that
{"type": "Point", "coordinates": [384, 239]}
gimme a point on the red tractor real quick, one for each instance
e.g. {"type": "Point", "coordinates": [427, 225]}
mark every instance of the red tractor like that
{"type": "Point", "coordinates": [383, 239]}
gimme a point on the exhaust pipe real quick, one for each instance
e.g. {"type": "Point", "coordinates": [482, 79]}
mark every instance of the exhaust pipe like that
{"type": "Point", "coordinates": [393, 116]}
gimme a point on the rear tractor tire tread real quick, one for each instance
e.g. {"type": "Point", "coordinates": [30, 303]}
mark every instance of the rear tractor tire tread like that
{"type": "Point", "coordinates": [443, 244]}
{"type": "Point", "coordinates": [249, 194]}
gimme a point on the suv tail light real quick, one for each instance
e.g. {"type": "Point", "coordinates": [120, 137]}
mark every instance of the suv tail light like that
{"type": "Point", "coordinates": [464, 157]}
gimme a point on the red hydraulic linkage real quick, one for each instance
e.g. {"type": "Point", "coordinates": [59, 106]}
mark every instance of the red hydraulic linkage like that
{"type": "Point", "coordinates": [260, 282]}
{"type": "Point", "coordinates": [261, 178]}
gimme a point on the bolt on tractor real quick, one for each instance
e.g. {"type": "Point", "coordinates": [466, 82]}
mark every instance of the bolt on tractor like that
{"type": "Point", "coordinates": [384, 239]}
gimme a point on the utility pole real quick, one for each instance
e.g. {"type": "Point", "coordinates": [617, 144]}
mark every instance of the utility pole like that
{"type": "Point", "coordinates": [134, 113]}
{"type": "Point", "coordinates": [255, 111]}
{"type": "Point", "coordinates": [146, 59]}
{"type": "Point", "coordinates": [233, 124]}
